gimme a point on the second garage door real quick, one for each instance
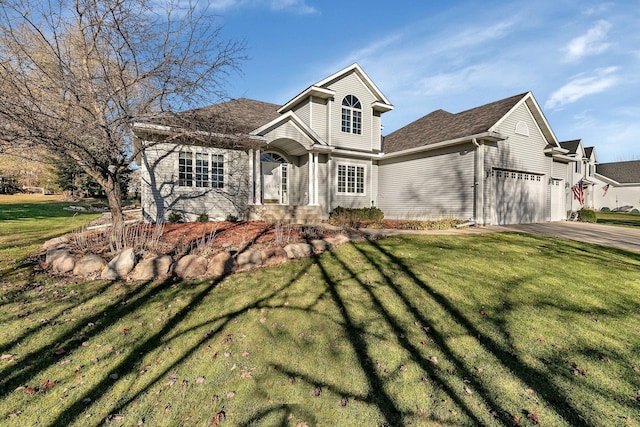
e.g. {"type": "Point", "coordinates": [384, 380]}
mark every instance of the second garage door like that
{"type": "Point", "coordinates": [518, 197]}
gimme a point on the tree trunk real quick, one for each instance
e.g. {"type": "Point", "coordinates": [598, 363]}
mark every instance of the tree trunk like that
{"type": "Point", "coordinates": [115, 207]}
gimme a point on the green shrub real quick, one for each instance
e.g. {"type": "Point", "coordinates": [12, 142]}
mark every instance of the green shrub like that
{"type": "Point", "coordinates": [175, 217]}
{"type": "Point", "coordinates": [351, 217]}
{"type": "Point", "coordinates": [605, 209]}
{"type": "Point", "coordinates": [635, 212]}
{"type": "Point", "coordinates": [203, 217]}
{"type": "Point", "coordinates": [231, 218]}
{"type": "Point", "coordinates": [587, 215]}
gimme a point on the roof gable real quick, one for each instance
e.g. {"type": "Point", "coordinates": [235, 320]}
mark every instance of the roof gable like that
{"type": "Point", "coordinates": [441, 125]}
{"type": "Point", "coordinates": [322, 89]}
{"type": "Point", "coordinates": [290, 117]}
{"type": "Point", "coordinates": [572, 146]}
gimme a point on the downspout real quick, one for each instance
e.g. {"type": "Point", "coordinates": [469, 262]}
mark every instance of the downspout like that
{"type": "Point", "coordinates": [479, 182]}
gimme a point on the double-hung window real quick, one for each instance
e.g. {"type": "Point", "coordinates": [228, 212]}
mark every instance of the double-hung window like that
{"type": "Point", "coordinates": [200, 170]}
{"type": "Point", "coordinates": [217, 171]}
{"type": "Point", "coordinates": [351, 115]}
{"type": "Point", "coordinates": [185, 169]}
{"type": "Point", "coordinates": [350, 179]}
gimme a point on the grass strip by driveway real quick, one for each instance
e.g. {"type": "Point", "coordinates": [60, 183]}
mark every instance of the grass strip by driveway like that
{"type": "Point", "coordinates": [618, 218]}
{"type": "Point", "coordinates": [488, 329]}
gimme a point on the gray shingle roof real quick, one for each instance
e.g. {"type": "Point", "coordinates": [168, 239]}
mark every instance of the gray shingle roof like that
{"type": "Point", "coordinates": [622, 172]}
{"type": "Point", "coordinates": [236, 116]}
{"type": "Point", "coordinates": [441, 125]}
{"type": "Point", "coordinates": [588, 151]}
{"type": "Point", "coordinates": [572, 146]}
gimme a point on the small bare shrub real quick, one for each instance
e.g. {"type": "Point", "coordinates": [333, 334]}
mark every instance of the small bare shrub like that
{"type": "Point", "coordinates": [283, 233]}
{"type": "Point", "coordinates": [204, 245]}
{"type": "Point", "coordinates": [312, 232]}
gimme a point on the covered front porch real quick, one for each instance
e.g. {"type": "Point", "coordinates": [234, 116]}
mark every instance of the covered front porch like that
{"type": "Point", "coordinates": [288, 182]}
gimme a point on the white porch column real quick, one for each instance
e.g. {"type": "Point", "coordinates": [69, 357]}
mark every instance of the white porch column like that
{"type": "Point", "coordinates": [310, 179]}
{"type": "Point", "coordinates": [316, 178]}
{"type": "Point", "coordinates": [258, 180]}
{"type": "Point", "coordinates": [251, 180]}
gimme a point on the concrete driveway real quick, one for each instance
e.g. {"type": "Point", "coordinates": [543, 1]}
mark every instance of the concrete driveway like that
{"type": "Point", "coordinates": [607, 235]}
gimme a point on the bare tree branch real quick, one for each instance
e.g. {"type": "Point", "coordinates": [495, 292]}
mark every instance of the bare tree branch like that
{"type": "Point", "coordinates": [74, 76]}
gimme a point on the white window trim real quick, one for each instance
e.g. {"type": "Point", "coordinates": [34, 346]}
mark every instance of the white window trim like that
{"type": "Point", "coordinates": [193, 187]}
{"type": "Point", "coordinates": [364, 179]}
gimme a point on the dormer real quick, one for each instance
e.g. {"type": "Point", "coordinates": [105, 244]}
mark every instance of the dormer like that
{"type": "Point", "coordinates": [344, 109]}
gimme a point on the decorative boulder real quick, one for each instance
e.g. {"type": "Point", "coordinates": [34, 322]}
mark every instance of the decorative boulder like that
{"type": "Point", "coordinates": [320, 245]}
{"type": "Point", "coordinates": [274, 256]}
{"type": "Point", "coordinates": [338, 239]}
{"type": "Point", "coordinates": [89, 264]}
{"type": "Point", "coordinates": [152, 268]}
{"type": "Point", "coordinates": [120, 266]}
{"type": "Point", "coordinates": [55, 243]}
{"type": "Point", "coordinates": [190, 266]}
{"type": "Point", "coordinates": [299, 250]}
{"type": "Point", "coordinates": [249, 259]}
{"type": "Point", "coordinates": [60, 260]}
{"type": "Point", "coordinates": [220, 265]}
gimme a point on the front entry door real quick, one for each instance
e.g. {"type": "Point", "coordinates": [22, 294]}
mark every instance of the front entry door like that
{"type": "Point", "coordinates": [271, 182]}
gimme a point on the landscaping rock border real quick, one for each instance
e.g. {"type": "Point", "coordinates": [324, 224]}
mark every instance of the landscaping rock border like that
{"type": "Point", "coordinates": [125, 265]}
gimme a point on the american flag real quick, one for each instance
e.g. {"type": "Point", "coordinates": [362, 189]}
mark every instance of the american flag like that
{"type": "Point", "coordinates": [605, 188]}
{"type": "Point", "coordinates": [578, 192]}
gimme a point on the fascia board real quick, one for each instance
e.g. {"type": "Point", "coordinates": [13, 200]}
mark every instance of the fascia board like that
{"type": "Point", "coordinates": [493, 136]}
{"type": "Point", "coordinates": [314, 90]}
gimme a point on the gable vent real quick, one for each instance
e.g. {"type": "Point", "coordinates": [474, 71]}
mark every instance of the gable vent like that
{"type": "Point", "coordinates": [522, 128]}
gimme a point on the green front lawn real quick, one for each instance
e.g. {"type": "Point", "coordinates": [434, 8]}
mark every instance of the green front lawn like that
{"type": "Point", "coordinates": [618, 218]}
{"type": "Point", "coordinates": [495, 329]}
{"type": "Point", "coordinates": [27, 221]}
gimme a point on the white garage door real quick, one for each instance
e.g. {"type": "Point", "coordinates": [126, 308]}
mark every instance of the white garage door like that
{"type": "Point", "coordinates": [518, 197]}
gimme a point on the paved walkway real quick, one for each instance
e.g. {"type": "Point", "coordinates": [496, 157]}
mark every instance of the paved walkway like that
{"type": "Point", "coordinates": [607, 235]}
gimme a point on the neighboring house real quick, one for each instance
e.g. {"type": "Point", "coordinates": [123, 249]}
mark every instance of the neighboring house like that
{"type": "Point", "coordinates": [581, 173]}
{"type": "Point", "coordinates": [618, 185]}
{"type": "Point", "coordinates": [495, 164]}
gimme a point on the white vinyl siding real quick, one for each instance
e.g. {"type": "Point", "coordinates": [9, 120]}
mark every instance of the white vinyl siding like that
{"type": "Point", "coordinates": [520, 153]}
{"type": "Point", "coordinates": [319, 117]}
{"type": "Point", "coordinates": [431, 185]}
{"type": "Point", "coordinates": [352, 85]}
{"type": "Point", "coordinates": [161, 193]}
{"type": "Point", "coordinates": [304, 111]}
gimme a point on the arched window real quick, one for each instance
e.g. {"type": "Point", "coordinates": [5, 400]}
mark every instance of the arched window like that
{"type": "Point", "coordinates": [272, 157]}
{"type": "Point", "coordinates": [351, 115]}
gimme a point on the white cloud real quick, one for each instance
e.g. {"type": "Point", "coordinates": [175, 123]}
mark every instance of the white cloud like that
{"type": "Point", "coordinates": [597, 9]}
{"type": "Point", "coordinates": [581, 86]}
{"type": "Point", "coordinates": [298, 6]}
{"type": "Point", "coordinates": [225, 4]}
{"type": "Point", "coordinates": [592, 42]}
{"type": "Point", "coordinates": [455, 82]}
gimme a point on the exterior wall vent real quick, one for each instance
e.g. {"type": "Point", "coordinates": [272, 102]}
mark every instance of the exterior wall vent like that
{"type": "Point", "coordinates": [522, 128]}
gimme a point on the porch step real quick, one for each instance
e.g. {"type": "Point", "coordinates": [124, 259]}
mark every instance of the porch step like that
{"type": "Point", "coordinates": [285, 214]}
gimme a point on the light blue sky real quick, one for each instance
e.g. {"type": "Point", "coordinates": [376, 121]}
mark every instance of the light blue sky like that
{"type": "Point", "coordinates": [581, 59]}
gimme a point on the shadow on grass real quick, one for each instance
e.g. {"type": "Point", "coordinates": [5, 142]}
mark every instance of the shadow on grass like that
{"type": "Point", "coordinates": [468, 393]}
{"type": "Point", "coordinates": [538, 380]}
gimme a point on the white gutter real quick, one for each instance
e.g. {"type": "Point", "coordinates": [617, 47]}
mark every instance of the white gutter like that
{"type": "Point", "coordinates": [494, 136]}
{"type": "Point", "coordinates": [616, 183]}
{"type": "Point", "coordinates": [167, 130]}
